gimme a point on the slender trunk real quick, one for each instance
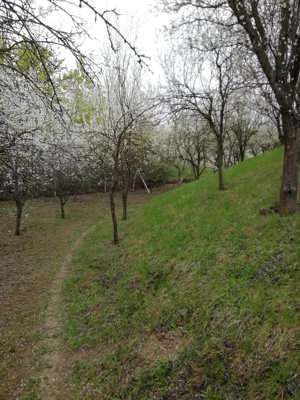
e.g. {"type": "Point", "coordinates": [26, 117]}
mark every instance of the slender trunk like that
{"type": "Point", "coordinates": [220, 162]}
{"type": "Point", "coordinates": [62, 207]}
{"type": "Point", "coordinates": [113, 210]}
{"type": "Point", "coordinates": [19, 207]}
{"type": "Point", "coordinates": [242, 153]}
{"type": "Point", "coordinates": [198, 172]}
{"type": "Point", "coordinates": [194, 169]}
{"type": "Point", "coordinates": [124, 201]}
{"type": "Point", "coordinates": [125, 196]}
{"type": "Point", "coordinates": [62, 210]}
{"type": "Point", "coordinates": [289, 182]}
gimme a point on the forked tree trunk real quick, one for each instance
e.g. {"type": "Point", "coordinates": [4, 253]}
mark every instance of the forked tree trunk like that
{"type": "Point", "coordinates": [113, 211]}
{"type": "Point", "coordinates": [19, 207]}
{"type": "Point", "coordinates": [289, 182]}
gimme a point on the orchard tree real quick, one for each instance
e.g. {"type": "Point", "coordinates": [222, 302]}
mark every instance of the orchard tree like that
{"type": "Point", "coordinates": [64, 167]}
{"type": "Point", "coordinates": [204, 86]}
{"type": "Point", "coordinates": [270, 31]}
{"type": "Point", "coordinates": [125, 106]}
{"type": "Point", "coordinates": [172, 157]}
{"type": "Point", "coordinates": [244, 124]}
{"type": "Point", "coordinates": [135, 157]}
{"type": "Point", "coordinates": [21, 157]}
{"type": "Point", "coordinates": [192, 142]}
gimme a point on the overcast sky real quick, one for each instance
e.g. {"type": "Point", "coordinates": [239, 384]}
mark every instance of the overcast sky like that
{"type": "Point", "coordinates": [138, 17]}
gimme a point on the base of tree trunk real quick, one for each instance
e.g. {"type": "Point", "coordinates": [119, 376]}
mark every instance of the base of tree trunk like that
{"type": "Point", "coordinates": [18, 220]}
{"type": "Point", "coordinates": [113, 215]}
{"type": "Point", "coordinates": [221, 179]}
{"type": "Point", "coordinates": [62, 213]}
{"type": "Point", "coordinates": [124, 201]}
{"type": "Point", "coordinates": [289, 183]}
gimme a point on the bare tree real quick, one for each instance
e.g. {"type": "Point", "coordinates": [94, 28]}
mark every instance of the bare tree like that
{"type": "Point", "coordinates": [206, 93]}
{"type": "Point", "coordinates": [244, 124]}
{"type": "Point", "coordinates": [25, 26]}
{"type": "Point", "coordinates": [125, 105]}
{"type": "Point", "coordinates": [270, 30]}
{"type": "Point", "coordinates": [64, 167]}
{"type": "Point", "coordinates": [132, 159]}
{"type": "Point", "coordinates": [21, 155]}
{"type": "Point", "coordinates": [191, 140]}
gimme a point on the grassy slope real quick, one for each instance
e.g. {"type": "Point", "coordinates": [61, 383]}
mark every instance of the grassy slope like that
{"type": "Point", "coordinates": [199, 301]}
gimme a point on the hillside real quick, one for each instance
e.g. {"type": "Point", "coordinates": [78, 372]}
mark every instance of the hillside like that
{"type": "Point", "coordinates": [199, 301]}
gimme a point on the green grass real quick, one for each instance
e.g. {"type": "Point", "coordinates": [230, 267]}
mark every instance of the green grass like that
{"type": "Point", "coordinates": [199, 301]}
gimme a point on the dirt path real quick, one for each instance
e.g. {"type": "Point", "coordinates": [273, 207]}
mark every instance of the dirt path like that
{"type": "Point", "coordinates": [53, 374]}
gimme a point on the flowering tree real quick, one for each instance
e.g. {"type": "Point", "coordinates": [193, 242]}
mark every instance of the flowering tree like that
{"type": "Point", "coordinates": [122, 107]}
{"type": "Point", "coordinates": [21, 155]}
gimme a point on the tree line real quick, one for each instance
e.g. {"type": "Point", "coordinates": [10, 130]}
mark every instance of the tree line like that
{"type": "Point", "coordinates": [230, 92]}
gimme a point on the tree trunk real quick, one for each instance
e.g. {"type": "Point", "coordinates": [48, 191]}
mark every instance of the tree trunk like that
{"type": "Point", "coordinates": [289, 182]}
{"type": "Point", "coordinates": [62, 210]}
{"type": "Point", "coordinates": [242, 153]}
{"type": "Point", "coordinates": [19, 206]}
{"type": "Point", "coordinates": [125, 190]}
{"type": "Point", "coordinates": [113, 211]}
{"type": "Point", "coordinates": [62, 207]}
{"type": "Point", "coordinates": [279, 128]}
{"type": "Point", "coordinates": [124, 201]}
{"type": "Point", "coordinates": [194, 169]}
{"type": "Point", "coordinates": [220, 156]}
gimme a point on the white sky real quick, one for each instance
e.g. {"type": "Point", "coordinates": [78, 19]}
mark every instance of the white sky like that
{"type": "Point", "coordinates": [141, 15]}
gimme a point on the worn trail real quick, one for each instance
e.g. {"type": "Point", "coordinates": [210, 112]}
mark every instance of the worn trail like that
{"type": "Point", "coordinates": [52, 372]}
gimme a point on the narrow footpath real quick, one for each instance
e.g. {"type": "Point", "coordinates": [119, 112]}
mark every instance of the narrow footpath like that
{"type": "Point", "coordinates": [53, 373]}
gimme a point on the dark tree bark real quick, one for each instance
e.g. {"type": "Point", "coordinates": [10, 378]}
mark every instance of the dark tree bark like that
{"type": "Point", "coordinates": [278, 119]}
{"type": "Point", "coordinates": [62, 201]}
{"type": "Point", "coordinates": [289, 182]}
{"type": "Point", "coordinates": [125, 197]}
{"type": "Point", "coordinates": [62, 210]}
{"type": "Point", "coordinates": [125, 187]}
{"type": "Point", "coordinates": [19, 207]}
{"type": "Point", "coordinates": [113, 210]}
{"type": "Point", "coordinates": [124, 202]}
{"type": "Point", "coordinates": [220, 164]}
